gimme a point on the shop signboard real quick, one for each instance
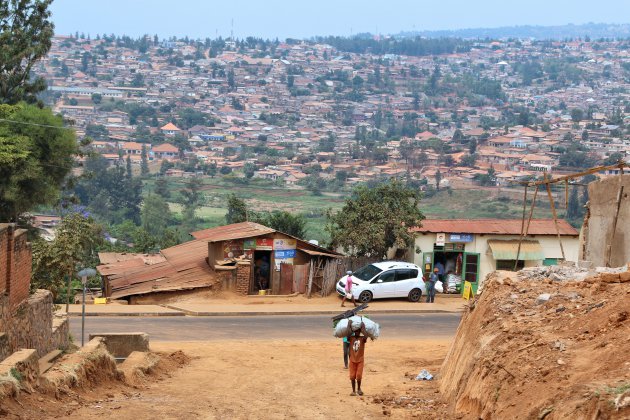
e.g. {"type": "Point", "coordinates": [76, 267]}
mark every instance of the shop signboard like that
{"type": "Point", "coordinates": [461, 237]}
{"type": "Point", "coordinates": [283, 256]}
{"type": "Point", "coordinates": [467, 290]}
{"type": "Point", "coordinates": [249, 244]}
{"type": "Point", "coordinates": [264, 244]}
{"type": "Point", "coordinates": [232, 249]}
{"type": "Point", "coordinates": [282, 244]}
{"type": "Point", "coordinates": [440, 239]}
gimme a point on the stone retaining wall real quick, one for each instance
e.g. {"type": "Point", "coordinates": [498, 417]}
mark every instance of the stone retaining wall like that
{"type": "Point", "coordinates": [31, 326]}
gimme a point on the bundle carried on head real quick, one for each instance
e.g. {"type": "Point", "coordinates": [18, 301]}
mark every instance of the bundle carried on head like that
{"type": "Point", "coordinates": [372, 329]}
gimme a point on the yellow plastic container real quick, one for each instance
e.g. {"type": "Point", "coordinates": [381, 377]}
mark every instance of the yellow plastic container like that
{"type": "Point", "coordinates": [262, 292]}
{"type": "Point", "coordinates": [100, 301]}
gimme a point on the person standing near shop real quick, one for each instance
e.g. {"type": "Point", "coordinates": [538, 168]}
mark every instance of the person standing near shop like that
{"type": "Point", "coordinates": [348, 290]}
{"type": "Point", "coordinates": [433, 278]}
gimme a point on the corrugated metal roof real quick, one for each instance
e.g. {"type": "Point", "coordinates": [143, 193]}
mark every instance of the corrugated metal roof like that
{"type": "Point", "coordinates": [116, 257]}
{"type": "Point", "coordinates": [233, 231]}
{"type": "Point", "coordinates": [495, 226]}
{"type": "Point", "coordinates": [184, 267]}
{"type": "Point", "coordinates": [506, 250]}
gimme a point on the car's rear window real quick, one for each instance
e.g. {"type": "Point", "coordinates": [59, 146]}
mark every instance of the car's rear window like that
{"type": "Point", "coordinates": [367, 272]}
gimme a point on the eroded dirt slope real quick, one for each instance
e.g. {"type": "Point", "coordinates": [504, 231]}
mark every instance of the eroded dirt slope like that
{"type": "Point", "coordinates": [532, 347]}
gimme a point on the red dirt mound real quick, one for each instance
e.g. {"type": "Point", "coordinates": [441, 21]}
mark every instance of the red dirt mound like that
{"type": "Point", "coordinates": [538, 348]}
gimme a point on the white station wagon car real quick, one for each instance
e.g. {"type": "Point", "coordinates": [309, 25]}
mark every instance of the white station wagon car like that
{"type": "Point", "coordinates": [387, 279]}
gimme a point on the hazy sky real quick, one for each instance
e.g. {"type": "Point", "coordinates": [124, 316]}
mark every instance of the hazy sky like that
{"type": "Point", "coordinates": [301, 19]}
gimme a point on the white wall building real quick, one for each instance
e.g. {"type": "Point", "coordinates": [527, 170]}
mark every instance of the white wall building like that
{"type": "Point", "coordinates": [474, 248]}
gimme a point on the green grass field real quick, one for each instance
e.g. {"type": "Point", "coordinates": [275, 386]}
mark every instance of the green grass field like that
{"type": "Point", "coordinates": [263, 196]}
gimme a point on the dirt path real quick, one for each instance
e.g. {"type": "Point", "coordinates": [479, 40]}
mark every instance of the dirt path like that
{"type": "Point", "coordinates": [282, 380]}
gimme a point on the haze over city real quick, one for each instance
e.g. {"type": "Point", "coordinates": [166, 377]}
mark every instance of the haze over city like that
{"type": "Point", "coordinates": [282, 19]}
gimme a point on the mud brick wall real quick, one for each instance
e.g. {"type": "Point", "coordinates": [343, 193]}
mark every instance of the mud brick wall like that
{"type": "Point", "coordinates": [20, 268]}
{"type": "Point", "coordinates": [243, 274]}
{"type": "Point", "coordinates": [15, 263]}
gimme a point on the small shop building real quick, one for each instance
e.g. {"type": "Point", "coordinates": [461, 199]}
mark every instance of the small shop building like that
{"type": "Point", "coordinates": [262, 259]}
{"type": "Point", "coordinates": [245, 257]}
{"type": "Point", "coordinates": [470, 249]}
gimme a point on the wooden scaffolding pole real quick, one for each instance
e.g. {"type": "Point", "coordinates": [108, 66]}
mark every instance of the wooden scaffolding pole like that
{"type": "Point", "coordinates": [620, 165]}
{"type": "Point", "coordinates": [555, 216]}
{"type": "Point", "coordinates": [518, 250]}
{"type": "Point", "coordinates": [520, 240]}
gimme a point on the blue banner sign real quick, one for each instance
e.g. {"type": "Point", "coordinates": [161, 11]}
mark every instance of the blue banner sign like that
{"type": "Point", "coordinates": [284, 254]}
{"type": "Point", "coordinates": [461, 237]}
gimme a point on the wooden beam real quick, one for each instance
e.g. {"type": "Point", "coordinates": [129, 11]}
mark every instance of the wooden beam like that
{"type": "Point", "coordinates": [620, 165]}
{"type": "Point", "coordinates": [518, 250]}
{"type": "Point", "coordinates": [555, 216]}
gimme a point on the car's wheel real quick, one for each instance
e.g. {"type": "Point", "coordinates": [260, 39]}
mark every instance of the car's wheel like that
{"type": "Point", "coordinates": [365, 296]}
{"type": "Point", "coordinates": [415, 295]}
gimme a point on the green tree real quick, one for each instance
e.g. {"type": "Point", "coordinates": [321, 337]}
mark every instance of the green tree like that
{"type": "Point", "coordinates": [156, 215]}
{"type": "Point", "coordinates": [237, 210]}
{"type": "Point", "coordinates": [75, 247]}
{"type": "Point", "coordinates": [25, 37]}
{"type": "Point", "coordinates": [577, 114]}
{"type": "Point", "coordinates": [285, 222]}
{"type": "Point", "coordinates": [375, 219]}
{"type": "Point", "coordinates": [161, 188]}
{"type": "Point", "coordinates": [573, 208]}
{"type": "Point", "coordinates": [192, 200]}
{"type": "Point", "coordinates": [144, 162]}
{"type": "Point", "coordinates": [36, 155]}
{"type": "Point", "coordinates": [249, 169]}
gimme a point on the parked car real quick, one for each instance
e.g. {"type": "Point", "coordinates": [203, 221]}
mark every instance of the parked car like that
{"type": "Point", "coordinates": [387, 279]}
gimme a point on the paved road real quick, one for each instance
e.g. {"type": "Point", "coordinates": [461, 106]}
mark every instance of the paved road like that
{"type": "Point", "coordinates": [399, 326]}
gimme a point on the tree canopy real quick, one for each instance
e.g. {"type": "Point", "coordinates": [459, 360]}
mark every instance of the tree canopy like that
{"type": "Point", "coordinates": [25, 37]}
{"type": "Point", "coordinates": [373, 220]}
{"type": "Point", "coordinates": [36, 155]}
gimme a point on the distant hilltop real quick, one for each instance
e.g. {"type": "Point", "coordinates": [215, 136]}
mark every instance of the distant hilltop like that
{"type": "Point", "coordinates": [592, 30]}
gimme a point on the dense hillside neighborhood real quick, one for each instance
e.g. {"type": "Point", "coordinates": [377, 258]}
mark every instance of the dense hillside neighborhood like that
{"type": "Point", "coordinates": [308, 114]}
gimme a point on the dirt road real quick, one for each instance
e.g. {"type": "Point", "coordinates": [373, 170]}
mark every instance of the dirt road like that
{"type": "Point", "coordinates": [281, 379]}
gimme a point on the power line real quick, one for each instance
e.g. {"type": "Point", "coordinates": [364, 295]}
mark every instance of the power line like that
{"type": "Point", "coordinates": [35, 124]}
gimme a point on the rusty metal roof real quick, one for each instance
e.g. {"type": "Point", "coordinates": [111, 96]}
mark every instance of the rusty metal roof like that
{"type": "Point", "coordinates": [234, 231]}
{"type": "Point", "coordinates": [495, 227]}
{"type": "Point", "coordinates": [184, 267]}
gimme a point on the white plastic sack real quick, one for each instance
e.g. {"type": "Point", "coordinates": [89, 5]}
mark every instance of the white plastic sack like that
{"type": "Point", "coordinates": [341, 329]}
{"type": "Point", "coordinates": [372, 329]}
{"type": "Point", "coordinates": [438, 287]}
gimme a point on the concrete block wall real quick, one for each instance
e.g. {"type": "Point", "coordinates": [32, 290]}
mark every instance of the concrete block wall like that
{"type": "Point", "coordinates": [243, 274]}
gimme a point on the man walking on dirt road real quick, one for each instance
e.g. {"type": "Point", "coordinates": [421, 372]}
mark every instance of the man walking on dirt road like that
{"type": "Point", "coordinates": [357, 349]}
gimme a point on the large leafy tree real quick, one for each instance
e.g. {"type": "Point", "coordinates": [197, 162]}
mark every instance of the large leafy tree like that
{"type": "Point", "coordinates": [237, 210]}
{"type": "Point", "coordinates": [36, 155]}
{"type": "Point", "coordinates": [376, 219]}
{"type": "Point", "coordinates": [74, 247]}
{"type": "Point", "coordinates": [25, 37]}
